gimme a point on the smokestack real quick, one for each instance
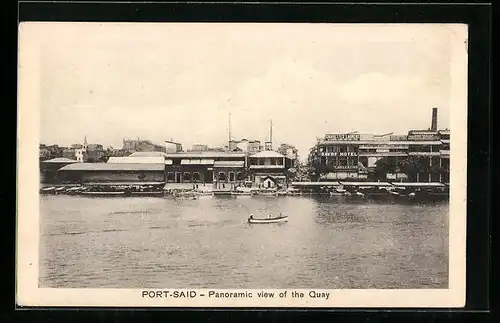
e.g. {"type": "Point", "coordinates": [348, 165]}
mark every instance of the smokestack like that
{"type": "Point", "coordinates": [434, 119]}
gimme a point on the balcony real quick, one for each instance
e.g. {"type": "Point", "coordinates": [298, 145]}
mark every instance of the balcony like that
{"type": "Point", "coordinates": [424, 153]}
{"type": "Point", "coordinates": [267, 166]}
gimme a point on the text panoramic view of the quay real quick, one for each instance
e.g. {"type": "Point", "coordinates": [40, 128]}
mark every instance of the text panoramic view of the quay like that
{"type": "Point", "coordinates": [248, 215]}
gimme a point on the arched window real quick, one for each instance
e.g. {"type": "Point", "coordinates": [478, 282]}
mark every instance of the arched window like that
{"type": "Point", "coordinates": [187, 177]}
{"type": "Point", "coordinates": [222, 176]}
{"type": "Point", "coordinates": [196, 176]}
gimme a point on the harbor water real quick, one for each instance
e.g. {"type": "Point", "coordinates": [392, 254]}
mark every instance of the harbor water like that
{"type": "Point", "coordinates": [156, 242]}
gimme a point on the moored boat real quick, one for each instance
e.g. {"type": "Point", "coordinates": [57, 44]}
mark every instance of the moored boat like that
{"type": "Point", "coordinates": [97, 193]}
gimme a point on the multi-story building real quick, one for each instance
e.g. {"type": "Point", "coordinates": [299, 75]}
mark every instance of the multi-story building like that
{"type": "Point", "coordinates": [214, 167]}
{"type": "Point", "coordinates": [268, 169]}
{"type": "Point", "coordinates": [421, 154]}
{"type": "Point", "coordinates": [290, 152]}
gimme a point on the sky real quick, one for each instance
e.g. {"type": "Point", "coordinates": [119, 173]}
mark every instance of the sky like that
{"type": "Point", "coordinates": [180, 81]}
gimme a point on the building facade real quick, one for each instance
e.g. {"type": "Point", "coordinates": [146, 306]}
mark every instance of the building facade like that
{"type": "Point", "coordinates": [102, 173]}
{"type": "Point", "coordinates": [172, 147]}
{"type": "Point", "coordinates": [218, 168]}
{"type": "Point", "coordinates": [268, 169]}
{"type": "Point", "coordinates": [141, 145]}
{"type": "Point", "coordinates": [355, 156]}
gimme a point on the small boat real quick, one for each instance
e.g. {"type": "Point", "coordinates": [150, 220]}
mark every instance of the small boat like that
{"type": "Point", "coordinates": [241, 193]}
{"type": "Point", "coordinates": [60, 189]}
{"type": "Point", "coordinates": [281, 218]}
{"type": "Point", "coordinates": [264, 193]}
{"type": "Point", "coordinates": [146, 193]}
{"type": "Point", "coordinates": [47, 190]}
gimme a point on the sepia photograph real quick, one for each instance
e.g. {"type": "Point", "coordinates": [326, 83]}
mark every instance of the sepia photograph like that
{"type": "Point", "coordinates": [242, 164]}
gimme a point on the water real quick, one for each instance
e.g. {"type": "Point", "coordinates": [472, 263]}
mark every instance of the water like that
{"type": "Point", "coordinates": [139, 242]}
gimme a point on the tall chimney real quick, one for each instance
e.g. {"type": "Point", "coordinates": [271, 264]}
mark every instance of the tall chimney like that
{"type": "Point", "coordinates": [434, 119]}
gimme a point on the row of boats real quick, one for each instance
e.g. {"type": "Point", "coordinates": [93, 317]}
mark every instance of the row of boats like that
{"type": "Point", "coordinates": [399, 194]}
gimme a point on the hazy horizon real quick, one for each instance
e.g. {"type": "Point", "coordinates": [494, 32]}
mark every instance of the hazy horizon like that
{"type": "Point", "coordinates": [180, 81]}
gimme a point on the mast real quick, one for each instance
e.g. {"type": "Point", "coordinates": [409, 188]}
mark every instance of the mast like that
{"type": "Point", "coordinates": [271, 133]}
{"type": "Point", "coordinates": [229, 133]}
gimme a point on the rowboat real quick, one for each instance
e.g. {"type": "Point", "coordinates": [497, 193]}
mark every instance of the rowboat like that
{"type": "Point", "coordinates": [282, 218]}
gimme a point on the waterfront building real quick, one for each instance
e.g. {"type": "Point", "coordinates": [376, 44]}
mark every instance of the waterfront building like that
{"type": "Point", "coordinates": [269, 169]}
{"type": "Point", "coordinates": [353, 156]}
{"type": "Point", "coordinates": [49, 169]}
{"type": "Point", "coordinates": [119, 173]}
{"type": "Point", "coordinates": [215, 167]}
{"type": "Point", "coordinates": [290, 152]}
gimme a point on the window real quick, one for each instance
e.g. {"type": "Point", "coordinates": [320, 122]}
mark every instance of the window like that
{"type": "Point", "coordinates": [279, 161]}
{"type": "Point", "coordinates": [170, 177]}
{"type": "Point", "coordinates": [239, 176]}
{"type": "Point", "coordinates": [222, 176]}
{"type": "Point", "coordinates": [231, 176]}
{"type": "Point", "coordinates": [187, 177]}
{"type": "Point", "coordinates": [196, 176]}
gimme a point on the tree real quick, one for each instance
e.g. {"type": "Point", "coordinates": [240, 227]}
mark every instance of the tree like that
{"type": "Point", "coordinates": [382, 167]}
{"type": "Point", "coordinates": [412, 166]}
{"type": "Point", "coordinates": [314, 164]}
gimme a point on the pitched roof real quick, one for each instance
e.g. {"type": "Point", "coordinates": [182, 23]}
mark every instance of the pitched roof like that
{"type": "Point", "coordinates": [136, 160]}
{"type": "Point", "coordinates": [113, 167]}
{"type": "Point", "coordinates": [206, 154]}
{"type": "Point", "coordinates": [61, 160]}
{"type": "Point", "coordinates": [148, 154]}
{"type": "Point", "coordinates": [267, 154]}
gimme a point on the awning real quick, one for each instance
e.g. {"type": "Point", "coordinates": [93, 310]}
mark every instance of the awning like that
{"type": "Point", "coordinates": [123, 183]}
{"type": "Point", "coordinates": [423, 184]}
{"type": "Point", "coordinates": [197, 162]}
{"type": "Point", "coordinates": [233, 164]}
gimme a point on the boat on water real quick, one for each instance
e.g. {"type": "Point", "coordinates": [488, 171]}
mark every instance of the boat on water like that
{"type": "Point", "coordinates": [241, 194]}
{"type": "Point", "coordinates": [48, 190]}
{"type": "Point", "coordinates": [278, 219]}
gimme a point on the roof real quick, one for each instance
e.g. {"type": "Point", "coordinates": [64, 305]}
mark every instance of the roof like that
{"type": "Point", "coordinates": [267, 166]}
{"type": "Point", "coordinates": [113, 167]}
{"type": "Point", "coordinates": [148, 154]}
{"type": "Point", "coordinates": [205, 154]}
{"type": "Point", "coordinates": [419, 184]}
{"type": "Point", "coordinates": [197, 162]}
{"type": "Point", "coordinates": [267, 154]}
{"type": "Point", "coordinates": [136, 160]}
{"type": "Point", "coordinates": [315, 183]}
{"type": "Point", "coordinates": [365, 183]}
{"type": "Point", "coordinates": [172, 142]}
{"type": "Point", "coordinates": [379, 142]}
{"type": "Point", "coordinates": [61, 160]}
{"type": "Point", "coordinates": [238, 163]}
{"type": "Point", "coordinates": [123, 183]}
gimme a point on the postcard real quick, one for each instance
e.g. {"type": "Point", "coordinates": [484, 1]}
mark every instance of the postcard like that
{"type": "Point", "coordinates": [276, 165]}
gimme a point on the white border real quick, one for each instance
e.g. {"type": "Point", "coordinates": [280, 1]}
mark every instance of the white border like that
{"type": "Point", "coordinates": [28, 293]}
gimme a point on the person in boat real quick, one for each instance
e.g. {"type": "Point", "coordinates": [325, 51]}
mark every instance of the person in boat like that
{"type": "Point", "coordinates": [251, 216]}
